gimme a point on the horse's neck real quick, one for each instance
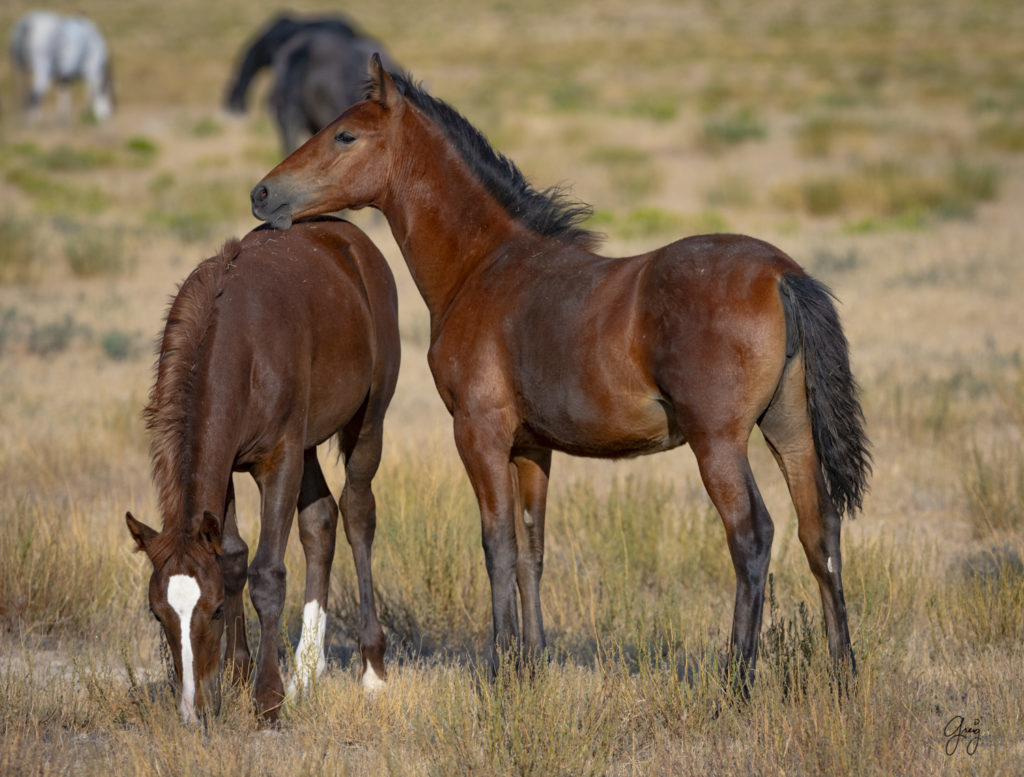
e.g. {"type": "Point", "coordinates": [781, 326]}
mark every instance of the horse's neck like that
{"type": "Point", "coordinates": [194, 454]}
{"type": "Point", "coordinates": [446, 223]}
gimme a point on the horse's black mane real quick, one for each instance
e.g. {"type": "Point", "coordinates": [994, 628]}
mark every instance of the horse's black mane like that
{"type": "Point", "coordinates": [551, 212]}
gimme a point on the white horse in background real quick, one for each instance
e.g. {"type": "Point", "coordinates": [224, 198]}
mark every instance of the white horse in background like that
{"type": "Point", "coordinates": [49, 47]}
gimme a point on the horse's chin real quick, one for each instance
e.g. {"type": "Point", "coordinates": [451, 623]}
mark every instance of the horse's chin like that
{"type": "Point", "coordinates": [279, 219]}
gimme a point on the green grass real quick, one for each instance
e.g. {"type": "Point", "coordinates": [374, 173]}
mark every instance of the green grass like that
{"type": "Point", "coordinates": [53, 195]}
{"type": "Point", "coordinates": [731, 128]}
{"type": "Point", "coordinates": [20, 255]}
{"type": "Point", "coordinates": [193, 212]}
{"type": "Point", "coordinates": [632, 173]}
{"type": "Point", "coordinates": [650, 222]}
{"type": "Point", "coordinates": [94, 252]}
{"type": "Point", "coordinates": [1003, 135]}
{"type": "Point", "coordinates": [894, 194]}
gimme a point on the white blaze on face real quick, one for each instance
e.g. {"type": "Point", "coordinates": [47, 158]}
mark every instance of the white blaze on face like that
{"type": "Point", "coordinates": [310, 661]}
{"type": "Point", "coordinates": [182, 595]}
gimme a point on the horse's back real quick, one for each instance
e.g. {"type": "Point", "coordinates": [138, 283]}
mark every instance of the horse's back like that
{"type": "Point", "coordinates": [80, 50]}
{"type": "Point", "coordinates": [325, 277]}
{"type": "Point", "coordinates": [309, 318]}
{"type": "Point", "coordinates": [332, 246]}
{"type": "Point", "coordinates": [718, 254]}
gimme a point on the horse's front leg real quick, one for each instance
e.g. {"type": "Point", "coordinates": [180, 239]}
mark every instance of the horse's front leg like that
{"type": "Point", "coordinates": [318, 525]}
{"type": "Point", "coordinates": [279, 491]}
{"type": "Point", "coordinates": [485, 453]}
{"type": "Point", "coordinates": [532, 471]}
{"type": "Point", "coordinates": [234, 558]}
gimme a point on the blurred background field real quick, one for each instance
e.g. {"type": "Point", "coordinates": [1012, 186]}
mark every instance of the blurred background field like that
{"type": "Point", "coordinates": [881, 144]}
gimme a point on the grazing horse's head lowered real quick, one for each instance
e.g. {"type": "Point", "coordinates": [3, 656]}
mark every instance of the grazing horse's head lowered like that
{"type": "Point", "coordinates": [279, 343]}
{"type": "Point", "coordinates": [186, 595]}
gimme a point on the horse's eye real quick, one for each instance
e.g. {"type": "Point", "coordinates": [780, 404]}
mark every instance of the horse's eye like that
{"type": "Point", "coordinates": [217, 613]}
{"type": "Point", "coordinates": [346, 138]}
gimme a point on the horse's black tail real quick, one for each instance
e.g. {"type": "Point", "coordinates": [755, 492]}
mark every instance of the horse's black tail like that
{"type": "Point", "coordinates": [837, 420]}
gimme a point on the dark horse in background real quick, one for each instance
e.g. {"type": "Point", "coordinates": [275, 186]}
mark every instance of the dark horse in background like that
{"type": "Point", "coordinates": [539, 344]}
{"type": "Point", "coordinates": [272, 347]}
{"type": "Point", "coordinates": [319, 70]}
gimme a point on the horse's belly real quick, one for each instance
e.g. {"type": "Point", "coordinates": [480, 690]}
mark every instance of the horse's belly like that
{"type": "Point", "coordinates": [617, 428]}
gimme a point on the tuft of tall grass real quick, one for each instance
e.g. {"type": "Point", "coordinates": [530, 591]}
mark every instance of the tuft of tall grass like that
{"type": "Point", "coordinates": [893, 194]}
{"type": "Point", "coordinates": [982, 605]}
{"type": "Point", "coordinates": [992, 481]}
{"type": "Point", "coordinates": [120, 345]}
{"type": "Point", "coordinates": [730, 128]}
{"type": "Point", "coordinates": [818, 135]}
{"type": "Point", "coordinates": [557, 721]}
{"type": "Point", "coordinates": [94, 252]}
{"type": "Point", "coordinates": [193, 213]}
{"type": "Point", "coordinates": [432, 588]}
{"type": "Point", "coordinates": [141, 150]}
{"type": "Point", "coordinates": [53, 195]}
{"type": "Point", "coordinates": [1003, 135]}
{"type": "Point", "coordinates": [59, 158]}
{"type": "Point", "coordinates": [631, 563]}
{"type": "Point", "coordinates": [53, 337]}
{"type": "Point", "coordinates": [48, 583]}
{"type": "Point", "coordinates": [653, 221]}
{"type": "Point", "coordinates": [631, 171]}
{"type": "Point", "coordinates": [20, 243]}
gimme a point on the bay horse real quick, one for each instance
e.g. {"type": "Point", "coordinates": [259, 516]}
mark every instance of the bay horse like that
{"type": "Point", "coordinates": [47, 47]}
{"type": "Point", "coordinates": [538, 344]}
{"type": "Point", "coordinates": [271, 347]}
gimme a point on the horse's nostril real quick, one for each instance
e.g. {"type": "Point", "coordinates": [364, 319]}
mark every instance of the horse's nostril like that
{"type": "Point", "coordinates": [260, 193]}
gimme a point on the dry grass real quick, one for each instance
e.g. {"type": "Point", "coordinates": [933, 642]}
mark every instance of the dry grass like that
{"type": "Point", "coordinates": [878, 143]}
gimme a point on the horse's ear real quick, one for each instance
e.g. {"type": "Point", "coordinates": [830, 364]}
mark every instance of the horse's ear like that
{"type": "Point", "coordinates": [209, 532]}
{"type": "Point", "coordinates": [141, 533]}
{"type": "Point", "coordinates": [382, 85]}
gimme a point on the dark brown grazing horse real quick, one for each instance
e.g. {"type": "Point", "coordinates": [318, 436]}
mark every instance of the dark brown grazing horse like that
{"type": "Point", "coordinates": [278, 343]}
{"type": "Point", "coordinates": [537, 344]}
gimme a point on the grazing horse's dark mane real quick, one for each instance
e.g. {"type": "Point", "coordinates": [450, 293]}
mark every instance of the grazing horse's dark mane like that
{"type": "Point", "coordinates": [551, 212]}
{"type": "Point", "coordinates": [168, 415]}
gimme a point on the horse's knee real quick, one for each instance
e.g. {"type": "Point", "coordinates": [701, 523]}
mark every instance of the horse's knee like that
{"type": "Point", "coordinates": [318, 523]}
{"type": "Point", "coordinates": [234, 557]}
{"type": "Point", "coordinates": [267, 589]}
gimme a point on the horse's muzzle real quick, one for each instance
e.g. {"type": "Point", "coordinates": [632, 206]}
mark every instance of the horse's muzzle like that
{"type": "Point", "coordinates": [276, 211]}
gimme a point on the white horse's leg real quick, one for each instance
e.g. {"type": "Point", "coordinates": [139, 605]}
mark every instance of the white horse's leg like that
{"type": "Point", "coordinates": [310, 660]}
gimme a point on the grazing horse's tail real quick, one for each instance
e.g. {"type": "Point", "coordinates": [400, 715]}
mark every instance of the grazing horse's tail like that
{"type": "Point", "coordinates": [837, 421]}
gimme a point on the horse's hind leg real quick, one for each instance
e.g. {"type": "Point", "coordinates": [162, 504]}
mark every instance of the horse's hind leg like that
{"type": "Point", "coordinates": [787, 429]}
{"type": "Point", "coordinates": [362, 449]}
{"type": "Point", "coordinates": [532, 473]}
{"type": "Point", "coordinates": [235, 556]}
{"type": "Point", "coordinates": [318, 526]}
{"type": "Point", "coordinates": [726, 474]}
